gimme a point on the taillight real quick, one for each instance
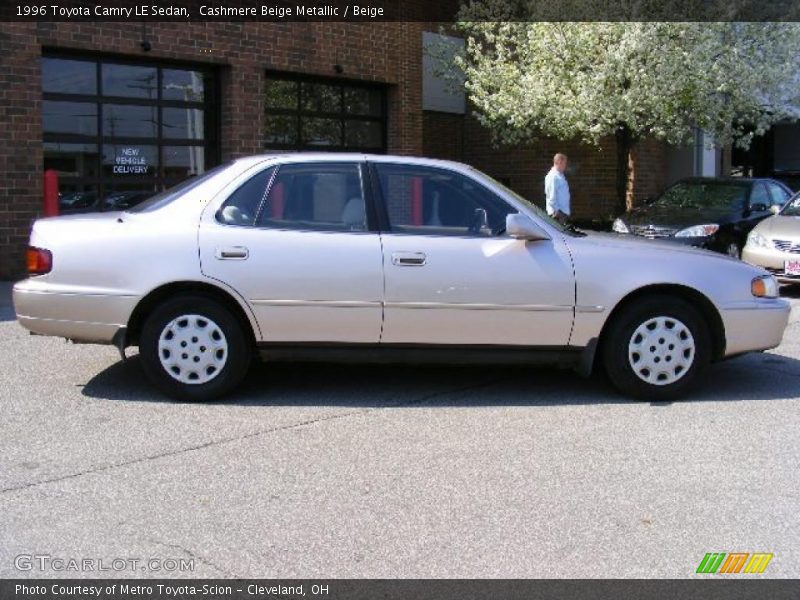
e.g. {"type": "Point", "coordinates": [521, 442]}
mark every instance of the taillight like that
{"type": "Point", "coordinates": [40, 261]}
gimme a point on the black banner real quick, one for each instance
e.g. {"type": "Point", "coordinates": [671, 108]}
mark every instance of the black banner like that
{"type": "Point", "coordinates": [713, 588]}
{"type": "Point", "coordinates": [442, 11]}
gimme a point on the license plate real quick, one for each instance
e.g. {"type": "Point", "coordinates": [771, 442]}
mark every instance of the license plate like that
{"type": "Point", "coordinates": [791, 267]}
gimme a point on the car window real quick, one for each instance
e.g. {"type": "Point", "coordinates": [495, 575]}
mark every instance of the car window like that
{"type": "Point", "coordinates": [704, 194]}
{"type": "Point", "coordinates": [792, 208]}
{"type": "Point", "coordinates": [430, 201]}
{"type": "Point", "coordinates": [241, 207]}
{"type": "Point", "coordinates": [318, 196]}
{"type": "Point", "coordinates": [759, 197]}
{"type": "Point", "coordinates": [778, 193]}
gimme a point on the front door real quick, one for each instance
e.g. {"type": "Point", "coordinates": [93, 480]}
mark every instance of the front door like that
{"type": "Point", "coordinates": [453, 277]}
{"type": "Point", "coordinates": [293, 240]}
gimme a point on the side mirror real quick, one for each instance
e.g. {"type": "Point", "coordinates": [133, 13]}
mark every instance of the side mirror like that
{"type": "Point", "coordinates": [774, 209]}
{"type": "Point", "coordinates": [758, 207]}
{"type": "Point", "coordinates": [522, 227]}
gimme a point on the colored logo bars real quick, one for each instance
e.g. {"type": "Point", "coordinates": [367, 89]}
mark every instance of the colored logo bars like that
{"type": "Point", "coordinates": [734, 562]}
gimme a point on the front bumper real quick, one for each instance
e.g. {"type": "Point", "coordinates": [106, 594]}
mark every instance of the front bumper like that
{"type": "Point", "coordinates": [771, 259]}
{"type": "Point", "coordinates": [755, 325]}
{"type": "Point", "coordinates": [71, 313]}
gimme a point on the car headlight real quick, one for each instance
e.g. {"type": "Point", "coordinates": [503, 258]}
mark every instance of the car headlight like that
{"type": "Point", "coordinates": [698, 230]}
{"type": "Point", "coordinates": [764, 286]}
{"type": "Point", "coordinates": [756, 239]}
{"type": "Point", "coordinates": [619, 226]}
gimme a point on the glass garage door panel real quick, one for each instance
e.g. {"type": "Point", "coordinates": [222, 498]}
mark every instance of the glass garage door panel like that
{"type": "Point", "coordinates": [116, 131]}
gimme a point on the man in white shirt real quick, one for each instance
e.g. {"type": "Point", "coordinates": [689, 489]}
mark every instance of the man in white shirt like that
{"type": "Point", "coordinates": [556, 190]}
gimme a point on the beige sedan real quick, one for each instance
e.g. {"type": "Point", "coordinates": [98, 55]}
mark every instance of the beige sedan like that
{"type": "Point", "coordinates": [774, 244]}
{"type": "Point", "coordinates": [354, 257]}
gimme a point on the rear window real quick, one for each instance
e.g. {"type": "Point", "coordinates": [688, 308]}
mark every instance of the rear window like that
{"type": "Point", "coordinates": [164, 198]}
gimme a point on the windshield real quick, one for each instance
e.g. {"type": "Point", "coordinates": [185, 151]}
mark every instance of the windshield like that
{"type": "Point", "coordinates": [163, 198]}
{"type": "Point", "coordinates": [792, 208]}
{"type": "Point", "coordinates": [704, 194]}
{"type": "Point", "coordinates": [540, 212]}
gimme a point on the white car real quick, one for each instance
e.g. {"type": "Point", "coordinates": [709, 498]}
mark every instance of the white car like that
{"type": "Point", "coordinates": [343, 257]}
{"type": "Point", "coordinates": [775, 243]}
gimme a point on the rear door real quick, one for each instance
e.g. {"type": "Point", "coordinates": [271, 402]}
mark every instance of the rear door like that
{"type": "Point", "coordinates": [295, 242]}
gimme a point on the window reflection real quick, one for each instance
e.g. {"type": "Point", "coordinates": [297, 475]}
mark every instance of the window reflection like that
{"type": "Point", "coordinates": [282, 93]}
{"type": "Point", "coordinates": [363, 134]}
{"type": "Point", "coordinates": [129, 81]}
{"type": "Point", "coordinates": [327, 115]}
{"type": "Point", "coordinates": [183, 161]}
{"type": "Point", "coordinates": [69, 76]}
{"type": "Point", "coordinates": [79, 118]}
{"type": "Point", "coordinates": [317, 97]}
{"type": "Point", "coordinates": [281, 129]}
{"type": "Point", "coordinates": [116, 133]}
{"type": "Point", "coordinates": [322, 132]}
{"type": "Point", "coordinates": [188, 86]}
{"type": "Point", "coordinates": [71, 160]}
{"type": "Point", "coordinates": [363, 101]}
{"type": "Point", "coordinates": [182, 123]}
{"type": "Point", "coordinates": [126, 120]}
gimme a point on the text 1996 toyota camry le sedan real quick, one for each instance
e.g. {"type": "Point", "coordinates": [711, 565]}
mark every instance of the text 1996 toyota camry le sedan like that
{"type": "Point", "coordinates": [342, 256]}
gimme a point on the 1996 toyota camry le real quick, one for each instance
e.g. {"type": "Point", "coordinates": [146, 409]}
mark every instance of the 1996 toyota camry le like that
{"type": "Point", "coordinates": [343, 256]}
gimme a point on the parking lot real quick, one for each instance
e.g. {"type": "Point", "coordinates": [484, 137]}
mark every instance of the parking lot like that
{"type": "Point", "coordinates": [364, 471]}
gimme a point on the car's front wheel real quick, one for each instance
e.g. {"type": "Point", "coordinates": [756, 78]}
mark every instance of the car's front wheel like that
{"type": "Point", "coordinates": [732, 249]}
{"type": "Point", "coordinates": [656, 347]}
{"type": "Point", "coordinates": [194, 349]}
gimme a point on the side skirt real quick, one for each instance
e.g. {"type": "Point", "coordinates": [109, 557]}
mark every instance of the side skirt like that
{"type": "Point", "coordinates": [563, 356]}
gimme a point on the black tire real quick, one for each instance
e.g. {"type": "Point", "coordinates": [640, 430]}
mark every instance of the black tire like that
{"type": "Point", "coordinates": [731, 248]}
{"type": "Point", "coordinates": [618, 356]}
{"type": "Point", "coordinates": [236, 356]}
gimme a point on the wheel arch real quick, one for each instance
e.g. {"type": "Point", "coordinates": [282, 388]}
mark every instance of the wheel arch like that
{"type": "Point", "coordinates": [697, 299]}
{"type": "Point", "coordinates": [156, 296]}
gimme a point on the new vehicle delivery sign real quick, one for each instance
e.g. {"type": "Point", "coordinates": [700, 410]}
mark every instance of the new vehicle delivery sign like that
{"type": "Point", "coordinates": [130, 161]}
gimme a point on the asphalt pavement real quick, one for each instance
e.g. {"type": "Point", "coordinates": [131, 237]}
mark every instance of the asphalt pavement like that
{"type": "Point", "coordinates": [364, 471]}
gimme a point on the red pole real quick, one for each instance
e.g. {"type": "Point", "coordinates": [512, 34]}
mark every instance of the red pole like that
{"type": "Point", "coordinates": [50, 193]}
{"type": "Point", "coordinates": [416, 201]}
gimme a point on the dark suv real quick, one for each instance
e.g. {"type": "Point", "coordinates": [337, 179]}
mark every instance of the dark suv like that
{"type": "Point", "coordinates": [713, 213]}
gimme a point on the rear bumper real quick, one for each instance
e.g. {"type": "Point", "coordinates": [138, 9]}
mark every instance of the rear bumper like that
{"type": "Point", "coordinates": [756, 325]}
{"type": "Point", "coordinates": [771, 259]}
{"type": "Point", "coordinates": [71, 313]}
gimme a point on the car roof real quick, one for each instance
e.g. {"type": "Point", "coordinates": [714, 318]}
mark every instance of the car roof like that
{"type": "Point", "coordinates": [746, 180]}
{"type": "Point", "coordinates": [350, 156]}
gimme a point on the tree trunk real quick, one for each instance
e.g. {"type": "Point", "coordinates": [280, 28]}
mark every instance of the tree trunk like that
{"type": "Point", "coordinates": [624, 179]}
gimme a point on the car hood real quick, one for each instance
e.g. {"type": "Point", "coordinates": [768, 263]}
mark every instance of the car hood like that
{"type": "Point", "coordinates": [637, 244]}
{"type": "Point", "coordinates": [780, 227]}
{"type": "Point", "coordinates": [675, 217]}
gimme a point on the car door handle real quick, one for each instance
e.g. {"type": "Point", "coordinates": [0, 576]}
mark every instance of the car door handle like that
{"type": "Point", "coordinates": [409, 259]}
{"type": "Point", "coordinates": [232, 253]}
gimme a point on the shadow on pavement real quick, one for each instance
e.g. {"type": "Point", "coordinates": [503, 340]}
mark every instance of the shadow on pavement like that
{"type": "Point", "coordinates": [751, 377]}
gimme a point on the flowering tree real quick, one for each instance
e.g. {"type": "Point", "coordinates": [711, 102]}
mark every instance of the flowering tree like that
{"type": "Point", "coordinates": [628, 80]}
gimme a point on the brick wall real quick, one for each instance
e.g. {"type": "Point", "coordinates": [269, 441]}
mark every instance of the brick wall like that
{"type": "Point", "coordinates": [380, 52]}
{"type": "Point", "coordinates": [591, 174]}
{"type": "Point", "coordinates": [443, 135]}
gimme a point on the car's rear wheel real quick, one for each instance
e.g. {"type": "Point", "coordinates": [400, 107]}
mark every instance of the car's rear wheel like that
{"type": "Point", "coordinates": [194, 349]}
{"type": "Point", "coordinates": [655, 348]}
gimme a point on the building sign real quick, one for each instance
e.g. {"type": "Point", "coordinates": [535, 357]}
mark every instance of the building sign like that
{"type": "Point", "coordinates": [129, 160]}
